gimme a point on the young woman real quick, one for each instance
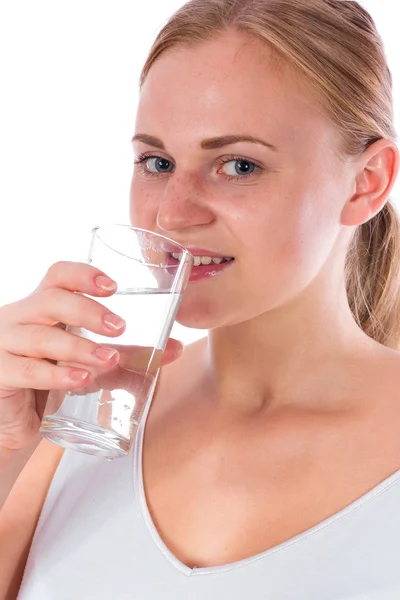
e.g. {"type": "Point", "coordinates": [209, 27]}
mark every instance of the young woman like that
{"type": "Point", "coordinates": [268, 465]}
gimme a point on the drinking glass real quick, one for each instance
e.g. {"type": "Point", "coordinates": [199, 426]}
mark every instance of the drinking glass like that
{"type": "Point", "coordinates": [101, 418]}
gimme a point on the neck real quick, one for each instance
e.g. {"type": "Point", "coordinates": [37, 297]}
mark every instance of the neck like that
{"type": "Point", "coordinates": [306, 354]}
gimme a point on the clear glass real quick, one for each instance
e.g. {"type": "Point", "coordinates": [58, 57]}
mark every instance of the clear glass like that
{"type": "Point", "coordinates": [102, 418]}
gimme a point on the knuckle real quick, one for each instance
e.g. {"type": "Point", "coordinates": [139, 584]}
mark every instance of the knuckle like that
{"type": "Point", "coordinates": [84, 347]}
{"type": "Point", "coordinates": [51, 296]}
{"type": "Point", "coordinates": [55, 269]}
{"type": "Point", "coordinates": [28, 368]}
{"type": "Point", "coordinates": [77, 349]}
{"type": "Point", "coordinates": [3, 367]}
{"type": "Point", "coordinates": [42, 337]}
{"type": "Point", "coordinates": [92, 310]}
{"type": "Point", "coordinates": [86, 312]}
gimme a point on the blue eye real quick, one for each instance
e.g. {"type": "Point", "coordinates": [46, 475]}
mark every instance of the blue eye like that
{"type": "Point", "coordinates": [157, 164]}
{"type": "Point", "coordinates": [232, 168]}
{"type": "Point", "coordinates": [236, 167]}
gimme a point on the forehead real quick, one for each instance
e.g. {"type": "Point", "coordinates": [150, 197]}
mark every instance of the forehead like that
{"type": "Point", "coordinates": [227, 84]}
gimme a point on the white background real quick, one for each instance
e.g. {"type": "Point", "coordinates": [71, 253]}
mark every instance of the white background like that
{"type": "Point", "coordinates": [69, 81]}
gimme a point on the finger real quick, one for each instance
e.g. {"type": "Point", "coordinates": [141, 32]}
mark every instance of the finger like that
{"type": "Point", "coordinates": [136, 383]}
{"type": "Point", "coordinates": [18, 372]}
{"type": "Point", "coordinates": [135, 370]}
{"type": "Point", "coordinates": [56, 305]}
{"type": "Point", "coordinates": [77, 277]}
{"type": "Point", "coordinates": [52, 343]}
{"type": "Point", "coordinates": [173, 351]}
{"type": "Point", "coordinates": [146, 358]}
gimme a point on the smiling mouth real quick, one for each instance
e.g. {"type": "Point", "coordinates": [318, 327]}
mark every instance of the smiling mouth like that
{"type": "Point", "coordinates": [204, 260]}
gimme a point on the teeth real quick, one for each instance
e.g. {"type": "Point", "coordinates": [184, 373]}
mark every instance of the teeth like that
{"type": "Point", "coordinates": [203, 260]}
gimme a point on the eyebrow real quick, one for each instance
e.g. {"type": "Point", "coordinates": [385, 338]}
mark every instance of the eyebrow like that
{"type": "Point", "coordinates": [210, 144]}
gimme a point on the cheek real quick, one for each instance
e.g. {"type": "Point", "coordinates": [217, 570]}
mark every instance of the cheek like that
{"type": "Point", "coordinates": [142, 206]}
{"type": "Point", "coordinates": [289, 244]}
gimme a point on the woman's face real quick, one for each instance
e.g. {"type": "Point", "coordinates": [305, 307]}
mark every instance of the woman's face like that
{"type": "Point", "coordinates": [273, 206]}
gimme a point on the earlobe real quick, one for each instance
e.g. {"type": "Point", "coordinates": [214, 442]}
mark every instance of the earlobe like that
{"type": "Point", "coordinates": [377, 171]}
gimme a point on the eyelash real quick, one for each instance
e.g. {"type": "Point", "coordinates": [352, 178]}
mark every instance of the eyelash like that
{"type": "Point", "coordinates": [141, 159]}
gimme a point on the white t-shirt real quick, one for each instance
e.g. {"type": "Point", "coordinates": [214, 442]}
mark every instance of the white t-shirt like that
{"type": "Point", "coordinates": [96, 541]}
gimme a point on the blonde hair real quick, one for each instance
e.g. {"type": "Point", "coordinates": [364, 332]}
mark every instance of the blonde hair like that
{"type": "Point", "coordinates": [336, 45]}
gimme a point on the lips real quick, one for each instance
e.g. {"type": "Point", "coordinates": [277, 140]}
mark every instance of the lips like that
{"type": "Point", "coordinates": [219, 262]}
{"type": "Point", "coordinates": [205, 252]}
{"type": "Point", "coordinates": [209, 271]}
{"type": "Point", "coordinates": [196, 251]}
{"type": "Point", "coordinates": [204, 271]}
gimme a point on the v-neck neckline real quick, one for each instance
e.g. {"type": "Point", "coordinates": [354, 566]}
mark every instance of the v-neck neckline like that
{"type": "Point", "coordinates": [138, 484]}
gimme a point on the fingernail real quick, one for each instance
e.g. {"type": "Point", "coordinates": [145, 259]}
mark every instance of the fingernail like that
{"type": "Point", "coordinates": [114, 322]}
{"type": "Point", "coordinates": [105, 353]}
{"type": "Point", "coordinates": [105, 283]}
{"type": "Point", "coordinates": [80, 375]}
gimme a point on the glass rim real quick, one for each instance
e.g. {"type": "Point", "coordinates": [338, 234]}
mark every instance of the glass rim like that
{"type": "Point", "coordinates": [171, 245]}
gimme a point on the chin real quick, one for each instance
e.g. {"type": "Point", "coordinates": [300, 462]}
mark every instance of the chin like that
{"type": "Point", "coordinates": [197, 320]}
{"type": "Point", "coordinates": [196, 315]}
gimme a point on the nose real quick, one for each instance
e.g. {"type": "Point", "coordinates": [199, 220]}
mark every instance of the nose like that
{"type": "Point", "coordinates": [184, 204]}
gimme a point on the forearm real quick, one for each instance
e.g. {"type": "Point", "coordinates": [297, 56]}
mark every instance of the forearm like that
{"type": "Point", "coordinates": [12, 463]}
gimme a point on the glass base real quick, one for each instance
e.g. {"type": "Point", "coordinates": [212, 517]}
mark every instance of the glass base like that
{"type": "Point", "coordinates": [84, 437]}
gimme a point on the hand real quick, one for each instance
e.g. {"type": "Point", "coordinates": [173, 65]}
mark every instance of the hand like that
{"type": "Point", "coordinates": [32, 342]}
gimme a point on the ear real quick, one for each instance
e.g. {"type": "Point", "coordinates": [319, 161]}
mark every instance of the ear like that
{"type": "Point", "coordinates": [376, 172]}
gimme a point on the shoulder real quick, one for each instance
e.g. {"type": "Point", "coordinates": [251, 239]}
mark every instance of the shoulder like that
{"type": "Point", "coordinates": [379, 398]}
{"type": "Point", "coordinates": [384, 368]}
